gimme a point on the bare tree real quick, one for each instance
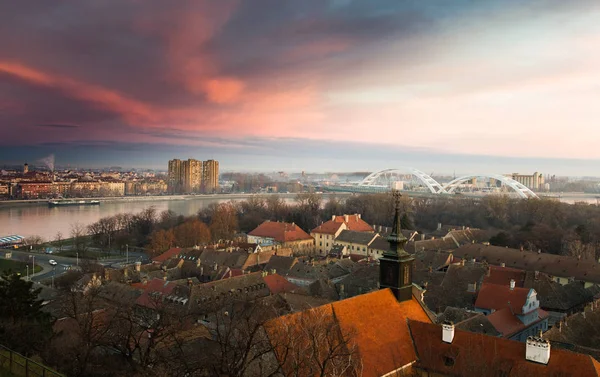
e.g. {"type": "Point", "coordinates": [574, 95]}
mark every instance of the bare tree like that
{"type": "Point", "coordinates": [312, 343]}
{"type": "Point", "coordinates": [78, 236]}
{"type": "Point", "coordinates": [58, 240]}
{"type": "Point", "coordinates": [34, 241]}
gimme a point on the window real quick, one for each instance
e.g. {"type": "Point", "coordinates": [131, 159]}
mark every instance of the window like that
{"type": "Point", "coordinates": [327, 244]}
{"type": "Point", "coordinates": [320, 243]}
{"type": "Point", "coordinates": [448, 361]}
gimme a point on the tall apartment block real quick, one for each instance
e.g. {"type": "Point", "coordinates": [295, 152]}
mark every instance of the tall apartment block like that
{"type": "Point", "coordinates": [210, 176]}
{"type": "Point", "coordinates": [193, 176]}
{"type": "Point", "coordinates": [175, 177]}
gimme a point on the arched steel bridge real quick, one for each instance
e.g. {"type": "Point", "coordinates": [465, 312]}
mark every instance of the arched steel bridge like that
{"type": "Point", "coordinates": [436, 188]}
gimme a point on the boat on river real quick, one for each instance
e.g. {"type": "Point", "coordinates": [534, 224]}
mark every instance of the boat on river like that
{"type": "Point", "coordinates": [65, 202]}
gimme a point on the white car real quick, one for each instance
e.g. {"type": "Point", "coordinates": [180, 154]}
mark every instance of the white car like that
{"type": "Point", "coordinates": [52, 262]}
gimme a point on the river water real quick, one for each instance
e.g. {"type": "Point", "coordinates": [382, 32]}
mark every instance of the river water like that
{"type": "Point", "coordinates": [44, 221]}
{"type": "Point", "coordinates": [39, 219]}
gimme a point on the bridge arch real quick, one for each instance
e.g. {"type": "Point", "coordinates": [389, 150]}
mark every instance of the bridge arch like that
{"type": "Point", "coordinates": [519, 188]}
{"type": "Point", "coordinates": [429, 182]}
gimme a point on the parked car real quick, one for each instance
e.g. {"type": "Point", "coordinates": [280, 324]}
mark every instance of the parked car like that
{"type": "Point", "coordinates": [52, 262]}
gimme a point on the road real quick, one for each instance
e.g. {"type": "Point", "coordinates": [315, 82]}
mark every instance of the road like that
{"type": "Point", "coordinates": [64, 263]}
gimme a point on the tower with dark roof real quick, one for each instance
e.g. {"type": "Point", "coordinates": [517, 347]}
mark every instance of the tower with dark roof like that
{"type": "Point", "coordinates": [395, 267]}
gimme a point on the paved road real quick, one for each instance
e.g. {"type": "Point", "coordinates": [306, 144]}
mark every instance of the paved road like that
{"type": "Point", "coordinates": [64, 263]}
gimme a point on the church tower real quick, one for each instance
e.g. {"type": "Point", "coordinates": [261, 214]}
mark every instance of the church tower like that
{"type": "Point", "coordinates": [395, 267]}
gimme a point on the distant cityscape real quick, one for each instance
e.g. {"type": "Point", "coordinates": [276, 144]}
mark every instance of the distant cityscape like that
{"type": "Point", "coordinates": [191, 176]}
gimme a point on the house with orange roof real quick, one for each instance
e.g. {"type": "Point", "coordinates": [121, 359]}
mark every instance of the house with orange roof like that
{"type": "Point", "coordinates": [275, 234]}
{"type": "Point", "coordinates": [514, 311]}
{"type": "Point", "coordinates": [171, 253]}
{"type": "Point", "coordinates": [326, 233]}
{"type": "Point", "coordinates": [372, 326]}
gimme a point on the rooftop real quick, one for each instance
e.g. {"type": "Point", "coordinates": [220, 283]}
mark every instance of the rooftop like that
{"type": "Point", "coordinates": [472, 354]}
{"type": "Point", "coordinates": [280, 232]}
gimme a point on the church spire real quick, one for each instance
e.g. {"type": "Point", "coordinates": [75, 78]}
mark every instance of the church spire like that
{"type": "Point", "coordinates": [395, 266]}
{"type": "Point", "coordinates": [396, 238]}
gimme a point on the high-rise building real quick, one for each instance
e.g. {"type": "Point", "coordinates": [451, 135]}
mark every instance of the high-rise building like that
{"type": "Point", "coordinates": [192, 176]}
{"type": "Point", "coordinates": [210, 176]}
{"type": "Point", "coordinates": [175, 176]}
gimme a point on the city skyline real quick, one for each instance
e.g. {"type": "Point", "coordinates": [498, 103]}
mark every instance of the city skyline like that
{"type": "Point", "coordinates": [315, 86]}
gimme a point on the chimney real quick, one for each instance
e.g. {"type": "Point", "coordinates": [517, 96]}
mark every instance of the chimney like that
{"type": "Point", "coordinates": [422, 236]}
{"type": "Point", "coordinates": [165, 277]}
{"type": "Point", "coordinates": [447, 331]}
{"type": "Point", "coordinates": [332, 217]}
{"type": "Point", "coordinates": [537, 350]}
{"type": "Point", "coordinates": [106, 274]}
{"type": "Point", "coordinates": [512, 284]}
{"type": "Point", "coordinates": [439, 226]}
{"type": "Point", "coordinates": [189, 283]}
{"type": "Point", "coordinates": [488, 271]}
{"type": "Point", "coordinates": [537, 275]}
{"type": "Point", "coordinates": [138, 266]}
{"type": "Point", "coordinates": [359, 215]}
{"type": "Point", "coordinates": [198, 262]}
{"type": "Point", "coordinates": [502, 264]}
{"type": "Point", "coordinates": [346, 218]}
{"type": "Point", "coordinates": [463, 227]}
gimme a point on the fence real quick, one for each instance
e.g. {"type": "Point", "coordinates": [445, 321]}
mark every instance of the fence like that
{"type": "Point", "coordinates": [19, 365]}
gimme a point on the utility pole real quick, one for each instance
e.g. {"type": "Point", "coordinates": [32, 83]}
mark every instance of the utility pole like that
{"type": "Point", "coordinates": [27, 272]}
{"type": "Point", "coordinates": [127, 254]}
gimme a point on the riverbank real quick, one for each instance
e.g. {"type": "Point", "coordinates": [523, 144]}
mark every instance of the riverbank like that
{"type": "Point", "coordinates": [126, 199]}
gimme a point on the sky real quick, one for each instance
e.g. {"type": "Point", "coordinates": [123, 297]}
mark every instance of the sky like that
{"type": "Point", "coordinates": [474, 86]}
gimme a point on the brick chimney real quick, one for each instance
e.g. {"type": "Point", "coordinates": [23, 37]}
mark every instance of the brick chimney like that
{"type": "Point", "coordinates": [447, 332]}
{"type": "Point", "coordinates": [345, 218]}
{"type": "Point", "coordinates": [537, 350]}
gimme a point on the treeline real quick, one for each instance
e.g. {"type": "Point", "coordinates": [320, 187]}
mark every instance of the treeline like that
{"type": "Point", "coordinates": [546, 225]}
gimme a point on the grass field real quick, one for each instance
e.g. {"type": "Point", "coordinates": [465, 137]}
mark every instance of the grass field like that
{"type": "Point", "coordinates": [16, 266]}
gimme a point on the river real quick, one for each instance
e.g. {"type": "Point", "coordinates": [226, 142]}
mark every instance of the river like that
{"type": "Point", "coordinates": [39, 219]}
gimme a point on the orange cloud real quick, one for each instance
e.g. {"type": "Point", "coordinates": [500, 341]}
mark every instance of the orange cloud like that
{"type": "Point", "coordinates": [223, 90]}
{"type": "Point", "coordinates": [132, 110]}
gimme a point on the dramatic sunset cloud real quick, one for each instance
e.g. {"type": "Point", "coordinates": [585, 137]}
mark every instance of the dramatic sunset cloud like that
{"type": "Point", "coordinates": [255, 82]}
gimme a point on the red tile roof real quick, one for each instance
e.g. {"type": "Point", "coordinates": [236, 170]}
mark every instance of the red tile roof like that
{"type": "Point", "coordinates": [353, 222]}
{"type": "Point", "coordinates": [172, 252]}
{"type": "Point", "coordinates": [503, 275]}
{"type": "Point", "coordinates": [508, 324]}
{"type": "Point", "coordinates": [377, 322]}
{"type": "Point", "coordinates": [278, 284]}
{"type": "Point", "coordinates": [155, 286]}
{"type": "Point", "coordinates": [496, 297]}
{"type": "Point", "coordinates": [472, 354]}
{"type": "Point", "coordinates": [280, 232]}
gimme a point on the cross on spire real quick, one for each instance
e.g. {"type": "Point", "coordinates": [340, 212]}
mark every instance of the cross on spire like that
{"type": "Point", "coordinates": [396, 238]}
